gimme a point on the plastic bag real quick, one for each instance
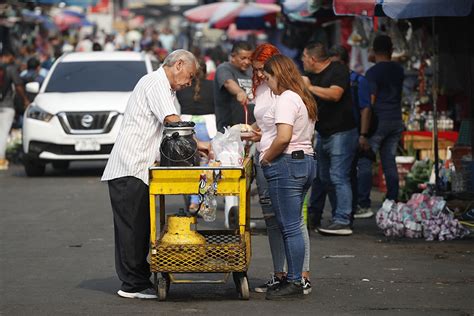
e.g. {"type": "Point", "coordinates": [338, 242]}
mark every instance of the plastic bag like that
{"type": "Point", "coordinates": [228, 147]}
{"type": "Point", "coordinates": [178, 146]}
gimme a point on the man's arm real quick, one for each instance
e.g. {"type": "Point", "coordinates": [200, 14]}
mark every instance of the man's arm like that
{"type": "Point", "coordinates": [333, 93]}
{"type": "Point", "coordinates": [236, 91]}
{"type": "Point", "coordinates": [172, 118]}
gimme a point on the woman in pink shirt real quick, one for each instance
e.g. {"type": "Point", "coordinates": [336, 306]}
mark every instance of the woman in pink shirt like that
{"type": "Point", "coordinates": [287, 160]}
{"type": "Point", "coordinates": [264, 99]}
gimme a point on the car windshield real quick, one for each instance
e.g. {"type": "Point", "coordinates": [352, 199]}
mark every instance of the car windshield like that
{"type": "Point", "coordinates": [96, 76]}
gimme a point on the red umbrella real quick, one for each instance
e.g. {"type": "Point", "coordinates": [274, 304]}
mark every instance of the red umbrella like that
{"type": "Point", "coordinates": [222, 14]}
{"type": "Point", "coordinates": [66, 19]}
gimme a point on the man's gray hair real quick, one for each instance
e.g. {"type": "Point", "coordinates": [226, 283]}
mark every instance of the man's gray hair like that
{"type": "Point", "coordinates": [180, 54]}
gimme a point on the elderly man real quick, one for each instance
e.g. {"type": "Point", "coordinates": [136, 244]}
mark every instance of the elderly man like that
{"type": "Point", "coordinates": [136, 149]}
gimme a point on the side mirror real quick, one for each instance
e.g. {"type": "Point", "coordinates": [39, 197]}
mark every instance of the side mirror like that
{"type": "Point", "coordinates": [32, 87]}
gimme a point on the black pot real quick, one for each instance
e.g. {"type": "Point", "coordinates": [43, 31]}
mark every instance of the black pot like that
{"type": "Point", "coordinates": [178, 145]}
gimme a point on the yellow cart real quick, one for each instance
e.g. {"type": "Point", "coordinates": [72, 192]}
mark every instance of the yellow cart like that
{"type": "Point", "coordinates": [225, 251]}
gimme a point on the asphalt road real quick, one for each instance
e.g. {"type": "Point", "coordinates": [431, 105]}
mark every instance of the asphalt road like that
{"type": "Point", "coordinates": [57, 259]}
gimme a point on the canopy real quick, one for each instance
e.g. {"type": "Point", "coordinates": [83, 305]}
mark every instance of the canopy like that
{"type": "Point", "coordinates": [404, 9]}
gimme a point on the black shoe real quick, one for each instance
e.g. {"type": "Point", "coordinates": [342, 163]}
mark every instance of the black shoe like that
{"type": "Point", "coordinates": [271, 283]}
{"type": "Point", "coordinates": [286, 290]}
{"type": "Point", "coordinates": [336, 230]}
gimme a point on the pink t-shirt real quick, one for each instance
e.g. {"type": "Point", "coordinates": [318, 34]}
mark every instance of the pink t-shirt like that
{"type": "Point", "coordinates": [288, 109]}
{"type": "Point", "coordinates": [264, 100]}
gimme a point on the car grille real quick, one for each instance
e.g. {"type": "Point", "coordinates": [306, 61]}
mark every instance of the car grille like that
{"type": "Point", "coordinates": [87, 122]}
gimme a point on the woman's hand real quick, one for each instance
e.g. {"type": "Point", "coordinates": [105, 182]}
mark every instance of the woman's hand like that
{"type": "Point", "coordinates": [264, 162]}
{"type": "Point", "coordinates": [253, 135]}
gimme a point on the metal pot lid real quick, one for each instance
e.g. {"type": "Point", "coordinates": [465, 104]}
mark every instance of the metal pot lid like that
{"type": "Point", "coordinates": [179, 124]}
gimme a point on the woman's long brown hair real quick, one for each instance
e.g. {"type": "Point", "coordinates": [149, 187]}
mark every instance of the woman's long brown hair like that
{"type": "Point", "coordinates": [289, 78]}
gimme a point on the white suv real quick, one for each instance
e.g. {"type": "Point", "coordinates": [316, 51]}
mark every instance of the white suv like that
{"type": "Point", "coordinates": [78, 110]}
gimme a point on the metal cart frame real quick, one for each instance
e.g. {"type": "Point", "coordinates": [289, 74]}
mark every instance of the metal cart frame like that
{"type": "Point", "coordinates": [225, 251]}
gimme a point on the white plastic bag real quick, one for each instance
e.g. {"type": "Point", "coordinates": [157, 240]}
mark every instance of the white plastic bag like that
{"type": "Point", "coordinates": [228, 147]}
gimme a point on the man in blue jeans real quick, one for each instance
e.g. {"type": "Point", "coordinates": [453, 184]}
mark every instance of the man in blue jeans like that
{"type": "Point", "coordinates": [385, 82]}
{"type": "Point", "coordinates": [329, 83]}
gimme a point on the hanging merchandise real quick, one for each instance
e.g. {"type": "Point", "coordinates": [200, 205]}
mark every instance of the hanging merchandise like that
{"type": "Point", "coordinates": [208, 193]}
{"type": "Point", "coordinates": [399, 44]}
{"type": "Point", "coordinates": [359, 41]}
{"type": "Point", "coordinates": [422, 216]}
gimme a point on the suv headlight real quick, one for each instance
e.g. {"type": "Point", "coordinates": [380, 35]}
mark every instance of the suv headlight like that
{"type": "Point", "coordinates": [37, 113]}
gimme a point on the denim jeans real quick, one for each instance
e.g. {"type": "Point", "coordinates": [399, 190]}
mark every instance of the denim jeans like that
{"type": "Point", "coordinates": [275, 238]}
{"type": "Point", "coordinates": [385, 140]}
{"type": "Point", "coordinates": [335, 157]}
{"type": "Point", "coordinates": [288, 182]}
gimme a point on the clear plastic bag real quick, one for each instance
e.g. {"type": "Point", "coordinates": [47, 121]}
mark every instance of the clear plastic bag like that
{"type": "Point", "coordinates": [228, 148]}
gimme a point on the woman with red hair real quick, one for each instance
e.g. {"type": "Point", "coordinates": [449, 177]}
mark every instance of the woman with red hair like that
{"type": "Point", "coordinates": [264, 100]}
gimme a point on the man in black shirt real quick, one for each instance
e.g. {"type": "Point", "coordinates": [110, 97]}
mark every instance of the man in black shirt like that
{"type": "Point", "coordinates": [330, 84]}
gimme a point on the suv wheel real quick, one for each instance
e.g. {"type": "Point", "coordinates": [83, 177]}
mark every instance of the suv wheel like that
{"type": "Point", "coordinates": [33, 168]}
{"type": "Point", "coordinates": [61, 165]}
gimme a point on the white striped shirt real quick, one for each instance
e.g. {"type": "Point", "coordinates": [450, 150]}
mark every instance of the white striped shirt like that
{"type": "Point", "coordinates": [138, 143]}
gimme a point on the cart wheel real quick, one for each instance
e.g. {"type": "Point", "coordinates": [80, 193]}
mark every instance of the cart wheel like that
{"type": "Point", "coordinates": [233, 217]}
{"type": "Point", "coordinates": [162, 292]}
{"type": "Point", "coordinates": [166, 276]}
{"type": "Point", "coordinates": [244, 292]}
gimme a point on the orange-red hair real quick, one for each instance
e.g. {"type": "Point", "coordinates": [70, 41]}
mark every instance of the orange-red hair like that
{"type": "Point", "coordinates": [262, 53]}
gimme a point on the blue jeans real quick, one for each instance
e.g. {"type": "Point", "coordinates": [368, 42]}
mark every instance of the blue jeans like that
{"type": "Point", "coordinates": [288, 181]}
{"type": "Point", "coordinates": [275, 239]}
{"type": "Point", "coordinates": [335, 157]}
{"type": "Point", "coordinates": [385, 140]}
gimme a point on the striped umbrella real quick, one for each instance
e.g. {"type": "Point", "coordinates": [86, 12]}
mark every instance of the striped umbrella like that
{"type": "Point", "coordinates": [222, 14]}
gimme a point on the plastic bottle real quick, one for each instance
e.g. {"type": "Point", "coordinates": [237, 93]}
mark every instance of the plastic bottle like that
{"type": "Point", "coordinates": [209, 213]}
{"type": "Point", "coordinates": [421, 122]}
{"type": "Point", "coordinates": [429, 121]}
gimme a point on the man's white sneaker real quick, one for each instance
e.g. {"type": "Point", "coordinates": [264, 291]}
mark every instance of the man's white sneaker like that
{"type": "Point", "coordinates": [363, 212]}
{"type": "Point", "coordinates": [147, 294]}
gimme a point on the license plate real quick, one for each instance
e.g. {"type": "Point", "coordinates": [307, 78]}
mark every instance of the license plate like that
{"type": "Point", "coordinates": [87, 145]}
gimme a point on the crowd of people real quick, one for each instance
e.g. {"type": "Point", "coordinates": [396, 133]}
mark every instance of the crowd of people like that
{"type": "Point", "coordinates": [315, 130]}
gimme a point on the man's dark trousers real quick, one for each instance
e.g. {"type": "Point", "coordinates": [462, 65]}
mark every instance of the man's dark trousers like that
{"type": "Point", "coordinates": [130, 204]}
